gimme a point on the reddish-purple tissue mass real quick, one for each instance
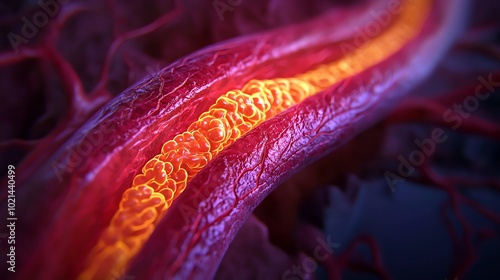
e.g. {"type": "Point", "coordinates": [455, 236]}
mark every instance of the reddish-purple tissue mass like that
{"type": "Point", "coordinates": [391, 173]}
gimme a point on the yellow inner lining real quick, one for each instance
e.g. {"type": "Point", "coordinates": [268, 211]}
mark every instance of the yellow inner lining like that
{"type": "Point", "coordinates": [235, 113]}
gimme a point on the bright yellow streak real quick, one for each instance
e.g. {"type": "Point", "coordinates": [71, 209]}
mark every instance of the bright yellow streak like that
{"type": "Point", "coordinates": [235, 113]}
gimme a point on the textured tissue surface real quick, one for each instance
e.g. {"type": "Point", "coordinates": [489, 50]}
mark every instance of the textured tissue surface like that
{"type": "Point", "coordinates": [410, 222]}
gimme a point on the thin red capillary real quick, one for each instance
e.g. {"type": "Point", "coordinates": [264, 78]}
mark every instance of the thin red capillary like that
{"type": "Point", "coordinates": [68, 74]}
{"type": "Point", "coordinates": [412, 110]}
{"type": "Point", "coordinates": [474, 125]}
{"type": "Point", "coordinates": [378, 262]}
{"type": "Point", "coordinates": [88, 104]}
{"type": "Point", "coordinates": [425, 111]}
{"type": "Point", "coordinates": [80, 105]}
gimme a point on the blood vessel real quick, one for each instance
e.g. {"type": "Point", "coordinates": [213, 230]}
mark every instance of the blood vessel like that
{"type": "Point", "coordinates": [243, 171]}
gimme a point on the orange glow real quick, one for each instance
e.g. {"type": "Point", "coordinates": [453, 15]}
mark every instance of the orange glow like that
{"type": "Point", "coordinates": [234, 113]}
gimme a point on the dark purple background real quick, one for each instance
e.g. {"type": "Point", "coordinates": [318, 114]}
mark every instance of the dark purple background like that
{"type": "Point", "coordinates": [409, 224]}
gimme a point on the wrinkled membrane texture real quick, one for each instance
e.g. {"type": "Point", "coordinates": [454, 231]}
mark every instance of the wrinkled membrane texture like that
{"type": "Point", "coordinates": [408, 223]}
{"type": "Point", "coordinates": [401, 221]}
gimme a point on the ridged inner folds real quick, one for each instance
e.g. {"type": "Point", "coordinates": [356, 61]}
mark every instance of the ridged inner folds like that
{"type": "Point", "coordinates": [235, 113]}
